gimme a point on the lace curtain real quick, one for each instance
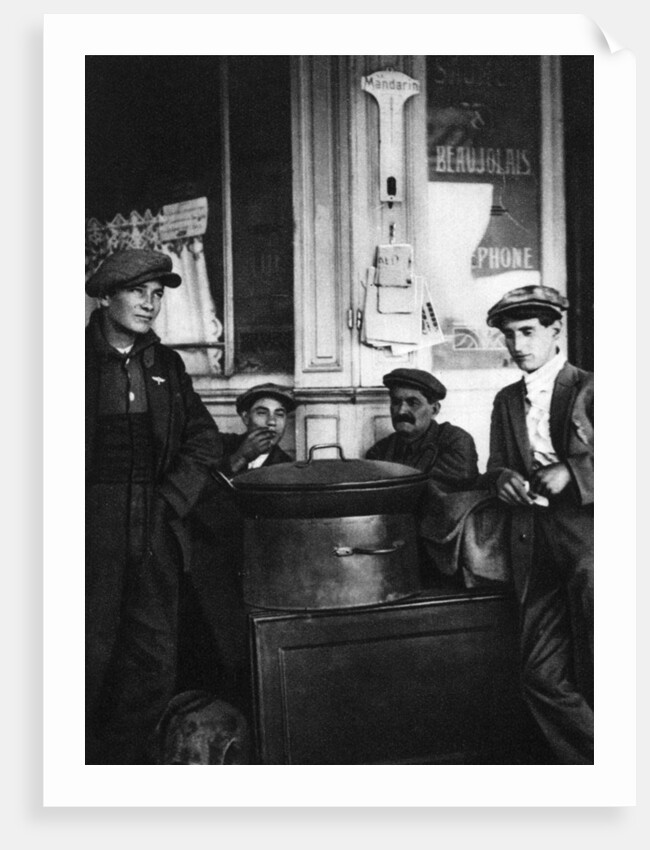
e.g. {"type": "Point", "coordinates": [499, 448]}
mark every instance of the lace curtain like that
{"type": "Point", "coordinates": [188, 317]}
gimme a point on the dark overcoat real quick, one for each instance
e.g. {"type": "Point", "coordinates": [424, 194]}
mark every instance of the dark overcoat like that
{"type": "Point", "coordinates": [132, 605]}
{"type": "Point", "coordinates": [445, 452]}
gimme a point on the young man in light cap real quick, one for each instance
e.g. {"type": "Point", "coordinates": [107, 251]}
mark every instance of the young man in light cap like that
{"type": "Point", "coordinates": [541, 467]}
{"type": "Point", "coordinates": [444, 451]}
{"type": "Point", "coordinates": [149, 445]}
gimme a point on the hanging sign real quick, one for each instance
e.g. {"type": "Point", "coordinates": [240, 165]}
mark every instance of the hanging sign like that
{"type": "Point", "coordinates": [391, 89]}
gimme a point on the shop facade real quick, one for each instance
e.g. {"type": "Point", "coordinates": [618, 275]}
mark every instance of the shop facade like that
{"type": "Point", "coordinates": [336, 217]}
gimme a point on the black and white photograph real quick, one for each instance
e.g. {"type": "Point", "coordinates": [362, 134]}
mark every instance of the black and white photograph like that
{"type": "Point", "coordinates": [339, 410]}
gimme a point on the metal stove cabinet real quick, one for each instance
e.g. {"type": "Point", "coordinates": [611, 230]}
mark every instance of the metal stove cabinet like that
{"type": "Point", "coordinates": [429, 680]}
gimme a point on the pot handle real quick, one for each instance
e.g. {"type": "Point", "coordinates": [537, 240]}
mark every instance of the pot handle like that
{"type": "Point", "coordinates": [343, 551]}
{"type": "Point", "coordinates": [322, 446]}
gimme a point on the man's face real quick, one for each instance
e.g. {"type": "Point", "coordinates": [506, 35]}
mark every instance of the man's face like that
{"type": "Point", "coordinates": [530, 344]}
{"type": "Point", "coordinates": [132, 311]}
{"type": "Point", "coordinates": [411, 412]}
{"type": "Point", "coordinates": [267, 413]}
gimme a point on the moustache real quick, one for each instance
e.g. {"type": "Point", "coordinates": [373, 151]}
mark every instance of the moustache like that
{"type": "Point", "coordinates": [404, 417]}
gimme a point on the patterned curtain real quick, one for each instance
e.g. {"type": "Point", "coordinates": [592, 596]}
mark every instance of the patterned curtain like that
{"type": "Point", "coordinates": [188, 317]}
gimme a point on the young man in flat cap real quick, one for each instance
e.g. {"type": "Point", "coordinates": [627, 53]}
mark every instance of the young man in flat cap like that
{"type": "Point", "coordinates": [446, 452]}
{"type": "Point", "coordinates": [149, 445]}
{"type": "Point", "coordinates": [541, 467]}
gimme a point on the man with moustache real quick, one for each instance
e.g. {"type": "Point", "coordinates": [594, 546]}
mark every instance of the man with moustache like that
{"type": "Point", "coordinates": [444, 451]}
{"type": "Point", "coordinates": [150, 443]}
{"type": "Point", "coordinates": [541, 468]}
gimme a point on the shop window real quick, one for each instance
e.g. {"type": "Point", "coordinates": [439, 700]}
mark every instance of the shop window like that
{"type": "Point", "coordinates": [483, 153]}
{"type": "Point", "coordinates": [162, 131]}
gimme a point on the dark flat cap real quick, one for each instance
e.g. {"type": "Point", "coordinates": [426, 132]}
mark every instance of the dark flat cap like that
{"type": "Point", "coordinates": [528, 299]}
{"type": "Point", "coordinates": [418, 378]}
{"type": "Point", "coordinates": [130, 268]}
{"type": "Point", "coordinates": [283, 394]}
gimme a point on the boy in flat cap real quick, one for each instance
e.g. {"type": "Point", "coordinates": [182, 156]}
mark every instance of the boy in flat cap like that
{"type": "Point", "coordinates": [217, 529]}
{"type": "Point", "coordinates": [264, 410]}
{"type": "Point", "coordinates": [149, 445]}
{"type": "Point", "coordinates": [446, 452]}
{"type": "Point", "coordinates": [541, 468]}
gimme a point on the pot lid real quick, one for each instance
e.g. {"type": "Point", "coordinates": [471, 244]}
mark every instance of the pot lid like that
{"type": "Point", "coordinates": [328, 474]}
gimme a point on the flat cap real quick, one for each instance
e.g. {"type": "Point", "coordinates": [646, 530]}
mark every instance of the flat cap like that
{"type": "Point", "coordinates": [527, 299]}
{"type": "Point", "coordinates": [418, 378]}
{"type": "Point", "coordinates": [131, 267]}
{"type": "Point", "coordinates": [283, 394]}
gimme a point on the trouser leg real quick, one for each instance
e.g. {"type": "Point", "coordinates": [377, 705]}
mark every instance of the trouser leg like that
{"type": "Point", "coordinates": [199, 660]}
{"type": "Point", "coordinates": [547, 655]}
{"type": "Point", "coordinates": [141, 677]}
{"type": "Point", "coordinates": [581, 596]}
{"type": "Point", "coordinates": [106, 559]}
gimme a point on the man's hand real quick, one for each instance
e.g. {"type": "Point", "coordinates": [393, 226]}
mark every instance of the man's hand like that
{"type": "Point", "coordinates": [550, 480]}
{"type": "Point", "coordinates": [257, 442]}
{"type": "Point", "coordinates": [512, 488]}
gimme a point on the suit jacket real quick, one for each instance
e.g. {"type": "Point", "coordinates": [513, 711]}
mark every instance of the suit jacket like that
{"type": "Point", "coordinates": [570, 514]}
{"type": "Point", "coordinates": [572, 432]}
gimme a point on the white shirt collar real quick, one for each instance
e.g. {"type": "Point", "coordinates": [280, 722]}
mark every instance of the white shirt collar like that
{"type": "Point", "coordinates": [258, 461]}
{"type": "Point", "coordinates": [544, 376]}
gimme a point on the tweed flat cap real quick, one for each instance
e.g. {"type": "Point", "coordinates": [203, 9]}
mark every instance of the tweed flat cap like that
{"type": "Point", "coordinates": [283, 394]}
{"type": "Point", "coordinates": [527, 299]}
{"type": "Point", "coordinates": [130, 268]}
{"type": "Point", "coordinates": [418, 378]}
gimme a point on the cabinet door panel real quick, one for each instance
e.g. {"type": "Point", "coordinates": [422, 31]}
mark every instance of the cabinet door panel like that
{"type": "Point", "coordinates": [414, 683]}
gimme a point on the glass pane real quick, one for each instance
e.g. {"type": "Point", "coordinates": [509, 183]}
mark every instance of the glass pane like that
{"type": "Point", "coordinates": [483, 130]}
{"type": "Point", "coordinates": [153, 137]}
{"type": "Point", "coordinates": [262, 217]}
{"type": "Point", "coordinates": [152, 131]}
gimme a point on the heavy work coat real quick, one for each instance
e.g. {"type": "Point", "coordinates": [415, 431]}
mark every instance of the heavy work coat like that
{"type": "Point", "coordinates": [445, 451]}
{"type": "Point", "coordinates": [186, 442]}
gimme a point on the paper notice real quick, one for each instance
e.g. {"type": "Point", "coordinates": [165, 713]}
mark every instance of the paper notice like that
{"type": "Point", "coordinates": [381, 329]}
{"type": "Point", "coordinates": [184, 220]}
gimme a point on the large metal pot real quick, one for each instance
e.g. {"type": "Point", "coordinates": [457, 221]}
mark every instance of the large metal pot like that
{"type": "Point", "coordinates": [329, 533]}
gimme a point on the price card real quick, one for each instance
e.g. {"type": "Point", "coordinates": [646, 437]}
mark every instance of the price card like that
{"type": "Point", "coordinates": [395, 279]}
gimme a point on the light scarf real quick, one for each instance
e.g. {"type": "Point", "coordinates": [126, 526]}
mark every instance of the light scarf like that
{"type": "Point", "coordinates": [539, 391]}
